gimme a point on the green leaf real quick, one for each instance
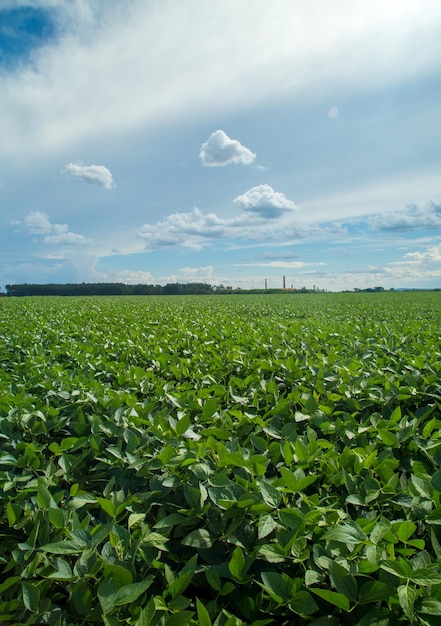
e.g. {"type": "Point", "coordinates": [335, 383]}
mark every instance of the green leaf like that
{"type": "Point", "coordinates": [147, 614]}
{"type": "Point", "coordinates": [407, 596]}
{"type": "Point", "coordinates": [380, 529]}
{"type": "Point", "coordinates": [374, 591]}
{"type": "Point", "coordinates": [426, 577]}
{"type": "Point", "coordinates": [183, 424]}
{"type": "Point", "coordinates": [291, 518]}
{"type": "Point", "coordinates": [295, 484]}
{"type": "Point", "coordinates": [337, 599]}
{"type": "Point", "coordinates": [276, 586]}
{"type": "Point", "coordinates": [399, 567]}
{"type": "Point", "coordinates": [350, 535]}
{"type": "Point", "coordinates": [63, 572]}
{"type": "Point", "coordinates": [376, 616]}
{"type": "Point", "coordinates": [181, 583]}
{"type": "Point", "coordinates": [273, 553]}
{"type": "Point", "coordinates": [203, 615]}
{"type": "Point", "coordinates": [213, 579]}
{"type": "Point", "coordinates": [406, 530]}
{"type": "Point", "coordinates": [44, 497]}
{"type": "Point", "coordinates": [156, 540]}
{"type": "Point", "coordinates": [69, 546]}
{"type": "Point", "coordinates": [31, 596]}
{"type": "Point", "coordinates": [271, 496]}
{"type": "Point", "coordinates": [265, 526]}
{"type": "Point", "coordinates": [180, 619]}
{"type": "Point", "coordinates": [303, 603]}
{"type": "Point", "coordinates": [108, 506]}
{"type": "Point", "coordinates": [57, 518]}
{"type": "Point", "coordinates": [430, 606]}
{"type": "Point", "coordinates": [343, 582]}
{"type": "Point", "coordinates": [199, 538]}
{"type": "Point", "coordinates": [13, 512]}
{"type": "Point", "coordinates": [237, 563]}
{"type": "Point", "coordinates": [111, 597]}
{"type": "Point", "coordinates": [9, 582]}
{"type": "Point", "coordinates": [436, 481]}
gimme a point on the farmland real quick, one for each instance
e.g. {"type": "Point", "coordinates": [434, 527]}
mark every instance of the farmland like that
{"type": "Point", "coordinates": [221, 460]}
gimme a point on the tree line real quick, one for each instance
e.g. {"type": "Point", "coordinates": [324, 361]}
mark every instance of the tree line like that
{"type": "Point", "coordinates": [107, 289]}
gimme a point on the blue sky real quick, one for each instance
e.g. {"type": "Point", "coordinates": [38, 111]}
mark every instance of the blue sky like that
{"type": "Point", "coordinates": [147, 141]}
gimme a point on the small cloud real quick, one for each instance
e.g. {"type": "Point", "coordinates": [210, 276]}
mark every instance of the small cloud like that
{"type": "Point", "coordinates": [272, 256]}
{"type": "Point", "coordinates": [38, 223]}
{"type": "Point", "coordinates": [279, 264]}
{"type": "Point", "coordinates": [196, 274]}
{"type": "Point", "coordinates": [333, 112]}
{"type": "Point", "coordinates": [220, 150]}
{"type": "Point", "coordinates": [431, 255]}
{"type": "Point", "coordinates": [128, 277]}
{"type": "Point", "coordinates": [267, 202]}
{"type": "Point", "coordinates": [94, 174]}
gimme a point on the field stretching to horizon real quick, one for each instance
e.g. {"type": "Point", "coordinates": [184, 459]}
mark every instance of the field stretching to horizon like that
{"type": "Point", "coordinates": [221, 460]}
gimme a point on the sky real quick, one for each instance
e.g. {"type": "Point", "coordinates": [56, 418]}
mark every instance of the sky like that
{"type": "Point", "coordinates": [231, 142]}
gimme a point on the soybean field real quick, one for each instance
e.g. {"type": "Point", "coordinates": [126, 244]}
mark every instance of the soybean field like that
{"type": "Point", "coordinates": [221, 460]}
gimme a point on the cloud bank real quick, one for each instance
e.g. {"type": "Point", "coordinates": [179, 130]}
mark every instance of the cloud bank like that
{"type": "Point", "coordinates": [220, 150]}
{"type": "Point", "coordinates": [413, 217]}
{"type": "Point", "coordinates": [266, 216]}
{"type": "Point", "coordinates": [94, 174]}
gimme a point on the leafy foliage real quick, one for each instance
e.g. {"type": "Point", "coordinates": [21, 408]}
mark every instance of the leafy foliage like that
{"type": "Point", "coordinates": [256, 460]}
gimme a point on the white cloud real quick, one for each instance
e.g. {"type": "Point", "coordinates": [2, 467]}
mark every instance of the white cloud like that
{"type": "Point", "coordinates": [95, 174]}
{"type": "Point", "coordinates": [220, 150]}
{"type": "Point", "coordinates": [414, 217]}
{"type": "Point", "coordinates": [431, 255]}
{"type": "Point", "coordinates": [197, 274]}
{"type": "Point", "coordinates": [128, 277]}
{"type": "Point", "coordinates": [277, 264]}
{"type": "Point", "coordinates": [197, 230]}
{"type": "Point", "coordinates": [266, 202]}
{"type": "Point", "coordinates": [263, 217]}
{"type": "Point", "coordinates": [38, 223]}
{"type": "Point", "coordinates": [187, 229]}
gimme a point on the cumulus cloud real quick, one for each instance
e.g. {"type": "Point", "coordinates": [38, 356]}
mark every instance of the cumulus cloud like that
{"type": "Point", "coordinates": [38, 223]}
{"type": "Point", "coordinates": [186, 229]}
{"type": "Point", "coordinates": [266, 202]}
{"type": "Point", "coordinates": [196, 229]}
{"type": "Point", "coordinates": [220, 150]}
{"type": "Point", "coordinates": [94, 174]}
{"type": "Point", "coordinates": [431, 255]}
{"type": "Point", "coordinates": [413, 217]}
{"type": "Point", "coordinates": [128, 277]}
{"type": "Point", "coordinates": [197, 274]}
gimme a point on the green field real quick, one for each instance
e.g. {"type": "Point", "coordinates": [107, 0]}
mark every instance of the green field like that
{"type": "Point", "coordinates": [221, 460]}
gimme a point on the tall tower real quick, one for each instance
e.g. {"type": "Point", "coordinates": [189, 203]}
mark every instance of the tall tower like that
{"type": "Point", "coordinates": [284, 282]}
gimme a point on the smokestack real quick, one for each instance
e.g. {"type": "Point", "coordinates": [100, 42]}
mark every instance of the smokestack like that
{"type": "Point", "coordinates": [266, 284]}
{"type": "Point", "coordinates": [284, 282]}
